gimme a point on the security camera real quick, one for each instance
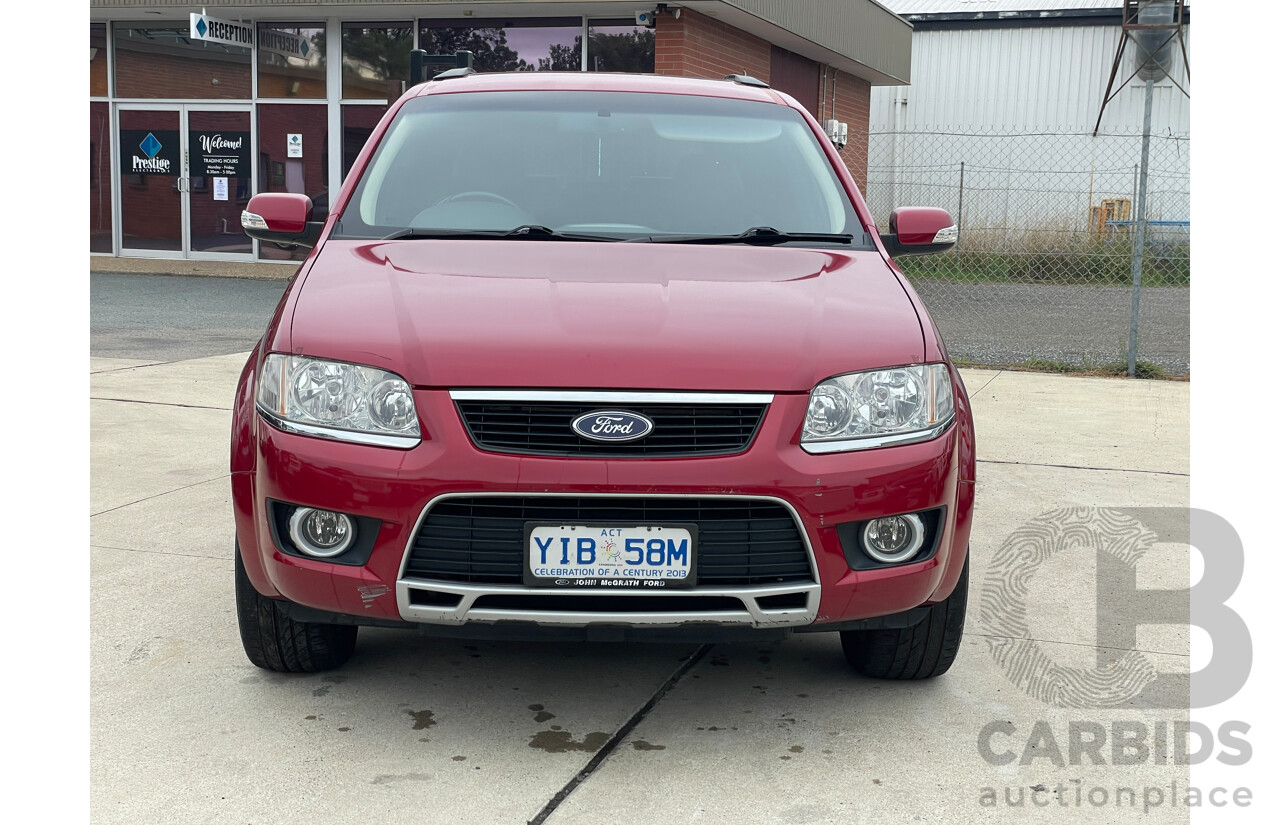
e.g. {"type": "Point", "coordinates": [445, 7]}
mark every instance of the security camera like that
{"type": "Point", "coordinates": [646, 19]}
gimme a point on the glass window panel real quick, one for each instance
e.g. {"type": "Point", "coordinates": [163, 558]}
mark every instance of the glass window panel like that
{"type": "Point", "coordinates": [357, 125]}
{"type": "Point", "coordinates": [163, 61]}
{"type": "Point", "coordinates": [501, 45]}
{"type": "Point", "coordinates": [291, 60]}
{"type": "Point", "coordinates": [306, 175]}
{"type": "Point", "coordinates": [99, 177]}
{"type": "Point", "coordinates": [372, 55]}
{"type": "Point", "coordinates": [98, 60]}
{"type": "Point", "coordinates": [619, 46]}
{"type": "Point", "coordinates": [150, 203]}
{"type": "Point", "coordinates": [613, 164]}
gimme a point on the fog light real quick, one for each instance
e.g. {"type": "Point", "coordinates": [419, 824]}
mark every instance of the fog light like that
{"type": "Point", "coordinates": [321, 533]}
{"type": "Point", "coordinates": [893, 539]}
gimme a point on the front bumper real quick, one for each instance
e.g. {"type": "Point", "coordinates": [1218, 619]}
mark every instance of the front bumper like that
{"type": "Point", "coordinates": [398, 488]}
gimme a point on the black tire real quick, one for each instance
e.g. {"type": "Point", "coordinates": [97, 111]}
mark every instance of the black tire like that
{"type": "Point", "coordinates": [922, 651]}
{"type": "Point", "coordinates": [273, 641]}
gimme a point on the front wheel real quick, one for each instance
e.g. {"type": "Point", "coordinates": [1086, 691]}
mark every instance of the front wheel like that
{"type": "Point", "coordinates": [921, 651]}
{"type": "Point", "coordinates": [273, 641]}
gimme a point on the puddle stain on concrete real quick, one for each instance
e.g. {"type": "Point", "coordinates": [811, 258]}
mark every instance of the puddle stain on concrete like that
{"type": "Point", "coordinates": [459, 759]}
{"type": "Point", "coordinates": [422, 719]}
{"type": "Point", "coordinates": [159, 650]}
{"type": "Point", "coordinates": [387, 779]}
{"type": "Point", "coordinates": [796, 748]}
{"type": "Point", "coordinates": [642, 745]}
{"type": "Point", "coordinates": [562, 741]}
{"type": "Point", "coordinates": [541, 714]}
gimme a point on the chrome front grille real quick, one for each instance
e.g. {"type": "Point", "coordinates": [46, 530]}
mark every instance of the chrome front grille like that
{"type": "Point", "coordinates": [687, 425]}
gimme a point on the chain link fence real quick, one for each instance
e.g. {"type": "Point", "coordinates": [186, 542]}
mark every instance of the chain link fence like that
{"type": "Point", "coordinates": [1042, 273]}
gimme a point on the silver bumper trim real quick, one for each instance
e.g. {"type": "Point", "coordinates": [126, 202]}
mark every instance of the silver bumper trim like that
{"type": "Point", "coordinates": [751, 614]}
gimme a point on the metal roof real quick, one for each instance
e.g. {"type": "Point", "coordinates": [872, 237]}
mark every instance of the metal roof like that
{"type": "Point", "coordinates": [903, 7]}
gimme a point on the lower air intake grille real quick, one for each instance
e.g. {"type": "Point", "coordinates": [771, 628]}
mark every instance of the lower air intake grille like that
{"type": "Point", "coordinates": [480, 539]}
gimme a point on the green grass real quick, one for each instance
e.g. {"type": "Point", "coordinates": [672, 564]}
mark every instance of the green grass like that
{"type": "Point", "coordinates": [1085, 263]}
{"type": "Point", "coordinates": [1142, 369]}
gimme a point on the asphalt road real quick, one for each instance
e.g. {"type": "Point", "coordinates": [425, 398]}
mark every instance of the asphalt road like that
{"type": "Point", "coordinates": [1088, 326]}
{"type": "Point", "coordinates": [173, 318]}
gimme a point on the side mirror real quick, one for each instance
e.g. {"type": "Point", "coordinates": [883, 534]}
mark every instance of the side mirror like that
{"type": "Point", "coordinates": [918, 230]}
{"type": "Point", "coordinates": [281, 217]}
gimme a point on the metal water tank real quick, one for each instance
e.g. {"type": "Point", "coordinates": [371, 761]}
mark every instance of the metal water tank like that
{"type": "Point", "coordinates": [1155, 46]}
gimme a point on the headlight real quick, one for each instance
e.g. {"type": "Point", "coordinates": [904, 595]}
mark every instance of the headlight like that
{"type": "Point", "coordinates": [862, 410]}
{"type": "Point", "coordinates": [331, 399]}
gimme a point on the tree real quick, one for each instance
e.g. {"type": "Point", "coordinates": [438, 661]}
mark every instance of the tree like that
{"type": "Point", "coordinates": [488, 47]}
{"type": "Point", "coordinates": [626, 52]}
{"type": "Point", "coordinates": [383, 51]}
{"type": "Point", "coordinates": [563, 58]}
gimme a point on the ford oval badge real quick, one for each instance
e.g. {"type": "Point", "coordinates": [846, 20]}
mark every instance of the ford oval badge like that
{"type": "Point", "coordinates": [612, 426]}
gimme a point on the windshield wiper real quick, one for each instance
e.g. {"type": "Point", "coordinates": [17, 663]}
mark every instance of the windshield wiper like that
{"type": "Point", "coordinates": [529, 231]}
{"type": "Point", "coordinates": [756, 235]}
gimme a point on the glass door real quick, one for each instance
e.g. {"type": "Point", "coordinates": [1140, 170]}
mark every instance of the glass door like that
{"type": "Point", "coordinates": [151, 181]}
{"type": "Point", "coordinates": [185, 175]}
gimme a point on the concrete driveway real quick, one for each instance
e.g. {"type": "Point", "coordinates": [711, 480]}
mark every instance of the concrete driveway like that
{"type": "Point", "coordinates": [415, 729]}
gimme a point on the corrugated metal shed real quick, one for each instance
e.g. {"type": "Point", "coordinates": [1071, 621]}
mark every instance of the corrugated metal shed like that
{"type": "Point", "coordinates": [1049, 77]}
{"type": "Point", "coordinates": [1017, 105]}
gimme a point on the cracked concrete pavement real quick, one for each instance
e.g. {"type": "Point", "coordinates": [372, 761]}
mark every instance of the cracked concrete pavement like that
{"type": "Point", "coordinates": [441, 730]}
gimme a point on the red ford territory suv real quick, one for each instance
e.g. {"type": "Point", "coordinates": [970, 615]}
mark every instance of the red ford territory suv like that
{"type": "Point", "coordinates": [601, 357]}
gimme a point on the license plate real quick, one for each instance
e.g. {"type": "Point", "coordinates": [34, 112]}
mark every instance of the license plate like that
{"type": "Point", "coordinates": [610, 556]}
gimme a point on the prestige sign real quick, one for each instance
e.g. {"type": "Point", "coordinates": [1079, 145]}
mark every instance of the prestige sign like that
{"type": "Point", "coordinates": [149, 152]}
{"type": "Point", "coordinates": [213, 30]}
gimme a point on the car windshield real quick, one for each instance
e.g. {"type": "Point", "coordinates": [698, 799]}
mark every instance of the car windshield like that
{"type": "Point", "coordinates": [606, 165]}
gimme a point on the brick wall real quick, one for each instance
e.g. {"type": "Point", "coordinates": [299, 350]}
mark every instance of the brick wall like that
{"type": "Point", "coordinates": [849, 100]}
{"type": "Point", "coordinates": [700, 46]}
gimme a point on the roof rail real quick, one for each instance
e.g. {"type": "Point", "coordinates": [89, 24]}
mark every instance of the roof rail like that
{"type": "Point", "coordinates": [452, 73]}
{"type": "Point", "coordinates": [746, 80]}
